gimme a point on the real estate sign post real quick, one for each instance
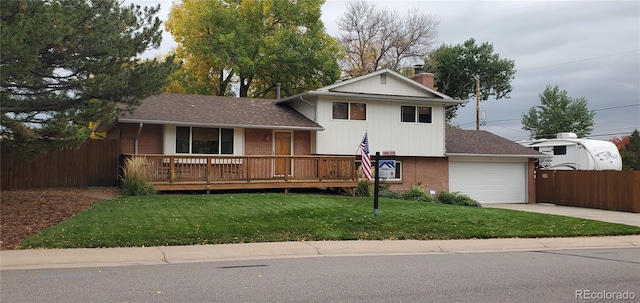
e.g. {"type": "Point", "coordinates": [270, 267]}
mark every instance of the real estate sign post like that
{"type": "Point", "coordinates": [376, 184]}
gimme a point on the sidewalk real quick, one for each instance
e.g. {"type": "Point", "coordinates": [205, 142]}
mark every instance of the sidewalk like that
{"type": "Point", "coordinates": [102, 257]}
{"type": "Point", "coordinates": [579, 212]}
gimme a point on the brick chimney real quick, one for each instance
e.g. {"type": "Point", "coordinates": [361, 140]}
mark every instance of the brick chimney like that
{"type": "Point", "coordinates": [426, 79]}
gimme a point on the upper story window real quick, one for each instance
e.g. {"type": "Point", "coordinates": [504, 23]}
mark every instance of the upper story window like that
{"type": "Point", "coordinates": [200, 140]}
{"type": "Point", "coordinates": [420, 114]}
{"type": "Point", "coordinates": [349, 111]}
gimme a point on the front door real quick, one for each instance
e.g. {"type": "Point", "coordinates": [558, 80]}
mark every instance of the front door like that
{"type": "Point", "coordinates": [282, 147]}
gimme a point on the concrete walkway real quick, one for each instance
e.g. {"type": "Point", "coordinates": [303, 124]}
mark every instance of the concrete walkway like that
{"type": "Point", "coordinates": [579, 212]}
{"type": "Point", "coordinates": [102, 257]}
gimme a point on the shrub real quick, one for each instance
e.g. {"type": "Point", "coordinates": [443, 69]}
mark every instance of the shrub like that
{"type": "Point", "coordinates": [456, 198]}
{"type": "Point", "coordinates": [364, 189]}
{"type": "Point", "coordinates": [418, 193]}
{"type": "Point", "coordinates": [387, 193]}
{"type": "Point", "coordinates": [133, 184]}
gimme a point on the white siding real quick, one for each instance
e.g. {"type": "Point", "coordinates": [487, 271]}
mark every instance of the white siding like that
{"type": "Point", "coordinates": [238, 141]}
{"type": "Point", "coordinates": [386, 131]}
{"type": "Point", "coordinates": [489, 182]}
{"type": "Point", "coordinates": [169, 141]}
{"type": "Point", "coordinates": [308, 108]}
{"type": "Point", "coordinates": [393, 86]}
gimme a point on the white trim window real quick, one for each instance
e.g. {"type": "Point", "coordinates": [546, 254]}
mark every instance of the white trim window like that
{"type": "Point", "coordinates": [349, 111]}
{"type": "Point", "coordinates": [206, 141]}
{"type": "Point", "coordinates": [415, 114]}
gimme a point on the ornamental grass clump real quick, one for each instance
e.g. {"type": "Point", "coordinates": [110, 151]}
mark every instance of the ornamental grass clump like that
{"type": "Point", "coordinates": [133, 184]}
{"type": "Point", "coordinates": [364, 189]}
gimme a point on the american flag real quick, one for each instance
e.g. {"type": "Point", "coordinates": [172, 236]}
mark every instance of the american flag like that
{"type": "Point", "coordinates": [366, 160]}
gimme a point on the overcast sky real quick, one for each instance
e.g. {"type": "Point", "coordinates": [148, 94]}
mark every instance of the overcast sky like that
{"type": "Point", "coordinates": [590, 49]}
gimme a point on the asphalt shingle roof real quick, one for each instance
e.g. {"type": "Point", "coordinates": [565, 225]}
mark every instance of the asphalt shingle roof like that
{"type": "Point", "coordinates": [480, 142]}
{"type": "Point", "coordinates": [217, 110]}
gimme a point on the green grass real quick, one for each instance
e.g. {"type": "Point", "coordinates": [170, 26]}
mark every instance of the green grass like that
{"type": "Point", "coordinates": [240, 218]}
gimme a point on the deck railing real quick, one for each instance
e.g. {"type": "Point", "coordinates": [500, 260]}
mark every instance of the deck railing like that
{"type": "Point", "coordinates": [211, 169]}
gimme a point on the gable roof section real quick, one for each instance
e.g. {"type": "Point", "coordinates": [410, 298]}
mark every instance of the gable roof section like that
{"type": "Point", "coordinates": [483, 143]}
{"type": "Point", "coordinates": [359, 88]}
{"type": "Point", "coordinates": [217, 111]}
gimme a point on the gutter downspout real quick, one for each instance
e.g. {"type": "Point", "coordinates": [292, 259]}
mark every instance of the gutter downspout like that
{"type": "Point", "coordinates": [135, 144]}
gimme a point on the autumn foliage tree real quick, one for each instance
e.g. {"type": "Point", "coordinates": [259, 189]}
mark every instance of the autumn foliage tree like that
{"type": "Point", "coordinates": [375, 39]}
{"type": "Point", "coordinates": [629, 147]}
{"type": "Point", "coordinates": [251, 45]}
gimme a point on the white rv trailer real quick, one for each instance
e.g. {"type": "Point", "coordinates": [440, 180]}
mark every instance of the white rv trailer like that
{"type": "Point", "coordinates": [572, 153]}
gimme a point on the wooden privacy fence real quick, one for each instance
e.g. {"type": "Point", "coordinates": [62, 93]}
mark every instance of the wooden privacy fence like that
{"type": "Point", "coordinates": [612, 190]}
{"type": "Point", "coordinates": [95, 163]}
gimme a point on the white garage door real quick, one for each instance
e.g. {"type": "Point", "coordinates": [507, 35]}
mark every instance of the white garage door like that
{"type": "Point", "coordinates": [493, 182]}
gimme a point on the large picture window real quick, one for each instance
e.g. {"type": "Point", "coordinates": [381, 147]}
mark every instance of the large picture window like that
{"type": "Point", "coordinates": [349, 111]}
{"type": "Point", "coordinates": [200, 140]}
{"type": "Point", "coordinates": [420, 114]}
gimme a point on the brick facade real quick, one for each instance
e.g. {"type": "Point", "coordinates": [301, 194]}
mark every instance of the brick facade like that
{"type": "Point", "coordinates": [302, 142]}
{"type": "Point", "coordinates": [150, 141]}
{"type": "Point", "coordinates": [258, 142]}
{"type": "Point", "coordinates": [432, 173]}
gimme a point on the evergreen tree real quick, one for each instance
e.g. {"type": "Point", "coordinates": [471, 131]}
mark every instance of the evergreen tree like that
{"type": "Point", "coordinates": [630, 152]}
{"type": "Point", "coordinates": [66, 63]}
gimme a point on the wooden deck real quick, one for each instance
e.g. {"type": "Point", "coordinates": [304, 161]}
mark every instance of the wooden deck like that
{"type": "Point", "coordinates": [175, 173]}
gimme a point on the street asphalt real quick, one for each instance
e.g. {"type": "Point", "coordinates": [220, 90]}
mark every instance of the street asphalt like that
{"type": "Point", "coordinates": [126, 256]}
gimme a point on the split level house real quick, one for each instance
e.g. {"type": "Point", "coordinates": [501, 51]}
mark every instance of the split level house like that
{"type": "Point", "coordinates": [197, 142]}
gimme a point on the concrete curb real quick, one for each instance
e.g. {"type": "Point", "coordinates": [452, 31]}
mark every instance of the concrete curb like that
{"type": "Point", "coordinates": [105, 257]}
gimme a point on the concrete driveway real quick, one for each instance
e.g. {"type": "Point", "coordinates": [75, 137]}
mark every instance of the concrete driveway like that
{"type": "Point", "coordinates": [570, 211]}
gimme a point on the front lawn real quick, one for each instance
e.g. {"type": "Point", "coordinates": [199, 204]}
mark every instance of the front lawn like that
{"type": "Point", "coordinates": [237, 218]}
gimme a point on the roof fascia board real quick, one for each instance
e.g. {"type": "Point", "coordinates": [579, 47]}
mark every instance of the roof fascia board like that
{"type": "Point", "coordinates": [219, 125]}
{"type": "Point", "coordinates": [386, 97]}
{"type": "Point", "coordinates": [352, 80]}
{"type": "Point", "coordinates": [392, 73]}
{"type": "Point", "coordinates": [497, 155]}
{"type": "Point", "coordinates": [103, 127]}
{"type": "Point", "coordinates": [327, 89]}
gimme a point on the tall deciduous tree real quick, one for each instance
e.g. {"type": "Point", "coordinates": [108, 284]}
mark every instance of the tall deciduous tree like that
{"type": "Point", "coordinates": [558, 113]}
{"type": "Point", "coordinates": [456, 68]}
{"type": "Point", "coordinates": [374, 39]}
{"type": "Point", "coordinates": [66, 63]}
{"type": "Point", "coordinates": [254, 44]}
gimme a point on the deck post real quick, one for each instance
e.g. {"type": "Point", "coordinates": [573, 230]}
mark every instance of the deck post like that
{"type": "Point", "coordinates": [171, 168]}
{"type": "Point", "coordinates": [248, 168]}
{"type": "Point", "coordinates": [287, 167]}
{"type": "Point", "coordinates": [208, 171]}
